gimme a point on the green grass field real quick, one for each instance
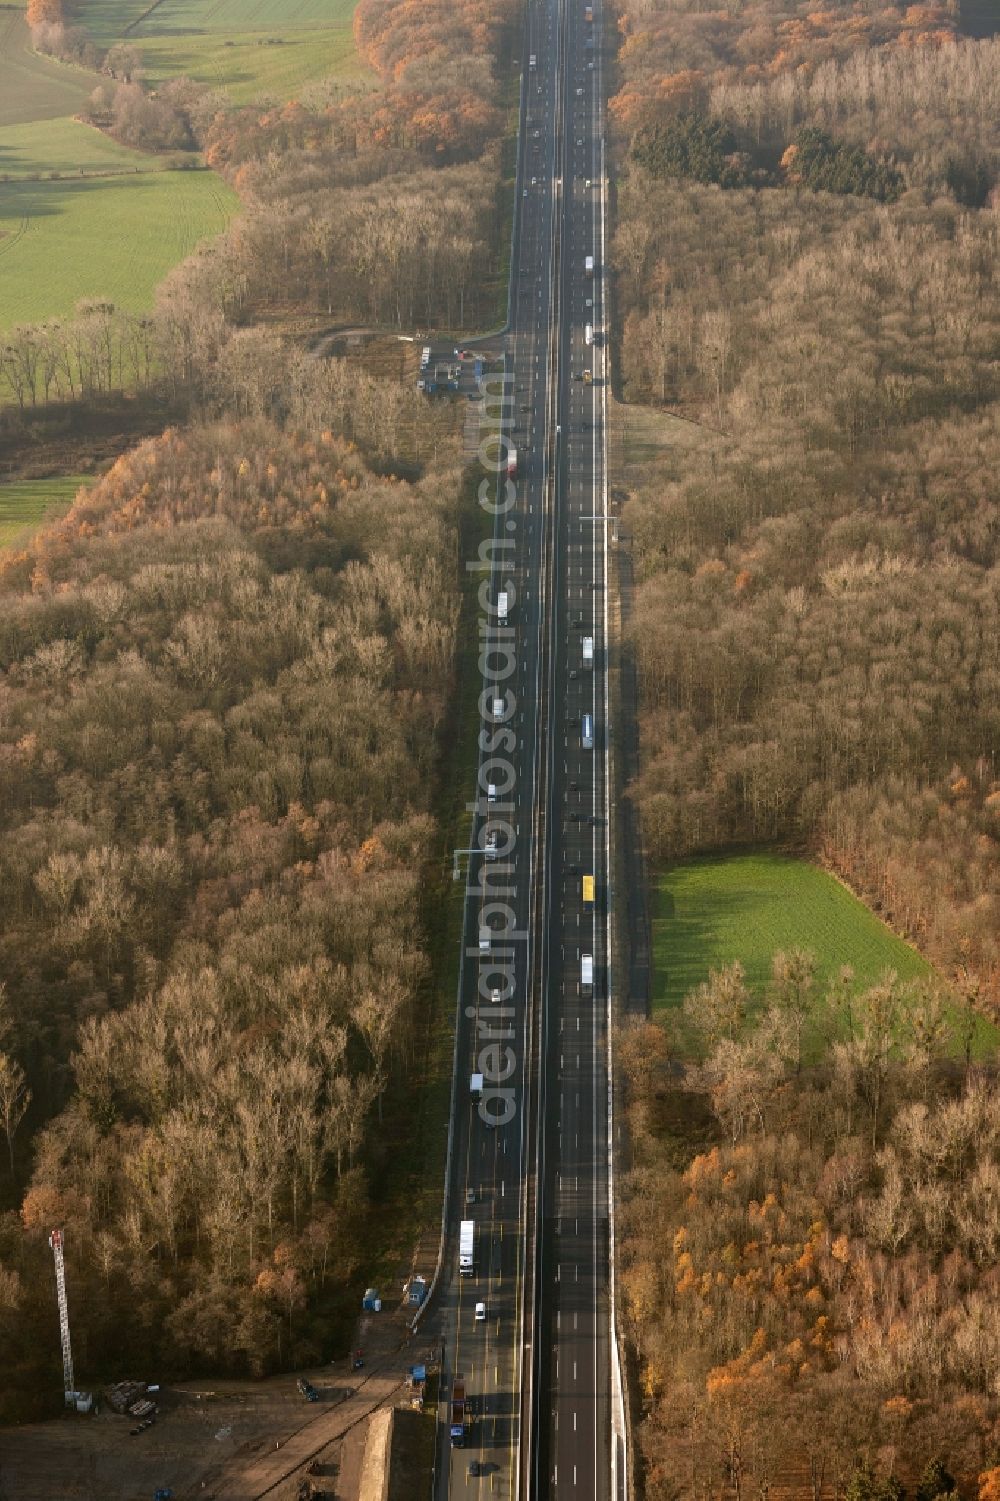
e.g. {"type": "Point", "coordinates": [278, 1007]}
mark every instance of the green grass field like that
{"type": "Point", "coordinates": [115, 238]}
{"type": "Point", "coordinates": [246, 66]}
{"type": "Point", "coordinates": [65, 146]}
{"type": "Point", "coordinates": [709, 912]}
{"type": "Point", "coordinates": [249, 47]}
{"type": "Point", "coordinates": [26, 503]}
{"type": "Point", "coordinates": [33, 87]}
{"type": "Point", "coordinates": [108, 20]}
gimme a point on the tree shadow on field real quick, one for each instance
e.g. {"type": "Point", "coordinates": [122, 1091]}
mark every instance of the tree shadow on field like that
{"type": "Point", "coordinates": [688, 944]}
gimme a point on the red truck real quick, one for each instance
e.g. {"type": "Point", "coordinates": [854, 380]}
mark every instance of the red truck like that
{"type": "Point", "coordinates": [459, 1414]}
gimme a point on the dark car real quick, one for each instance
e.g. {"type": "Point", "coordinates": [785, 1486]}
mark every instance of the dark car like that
{"type": "Point", "coordinates": [307, 1389]}
{"type": "Point", "coordinates": [475, 1468]}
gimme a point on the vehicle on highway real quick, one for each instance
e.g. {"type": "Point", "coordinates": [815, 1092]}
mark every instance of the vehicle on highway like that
{"type": "Point", "coordinates": [588, 264]}
{"type": "Point", "coordinates": [491, 792]}
{"type": "Point", "coordinates": [491, 845]}
{"type": "Point", "coordinates": [586, 974]}
{"type": "Point", "coordinates": [484, 940]}
{"type": "Point", "coordinates": [588, 651]}
{"type": "Point", "coordinates": [588, 334]}
{"type": "Point", "coordinates": [480, 1313]}
{"type": "Point", "coordinates": [307, 1389]}
{"type": "Point", "coordinates": [579, 93]}
{"type": "Point", "coordinates": [459, 1412]}
{"type": "Point", "coordinates": [470, 1197]}
{"type": "Point", "coordinates": [588, 891]}
{"type": "Point", "coordinates": [587, 732]}
{"type": "Point", "coordinates": [475, 1092]}
{"type": "Point", "coordinates": [476, 1468]}
{"type": "Point", "coordinates": [588, 377]}
{"type": "Point", "coordinates": [467, 1248]}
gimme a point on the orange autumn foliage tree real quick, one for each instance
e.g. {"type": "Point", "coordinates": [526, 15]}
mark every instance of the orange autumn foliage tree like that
{"type": "Point", "coordinates": [44, 13]}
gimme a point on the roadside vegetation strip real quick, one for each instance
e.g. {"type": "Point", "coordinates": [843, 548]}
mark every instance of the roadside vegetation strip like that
{"type": "Point", "coordinates": [159, 218]}
{"type": "Point", "coordinates": [25, 504]}
{"type": "Point", "coordinates": [709, 912]}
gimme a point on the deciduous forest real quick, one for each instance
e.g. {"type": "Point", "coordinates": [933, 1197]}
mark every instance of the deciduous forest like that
{"type": "Point", "coordinates": [816, 620]}
{"type": "Point", "coordinates": [225, 682]}
{"type": "Point", "coordinates": [810, 1244]}
{"type": "Point", "coordinates": [805, 262]}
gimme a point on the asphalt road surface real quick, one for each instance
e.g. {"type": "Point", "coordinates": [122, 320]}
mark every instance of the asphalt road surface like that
{"type": "Point", "coordinates": [528, 1328]}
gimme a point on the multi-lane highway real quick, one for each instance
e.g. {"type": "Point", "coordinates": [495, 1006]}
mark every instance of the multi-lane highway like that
{"type": "Point", "coordinates": [528, 1329]}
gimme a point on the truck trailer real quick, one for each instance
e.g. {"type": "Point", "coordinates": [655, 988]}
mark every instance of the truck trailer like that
{"type": "Point", "coordinates": [588, 651]}
{"type": "Point", "coordinates": [467, 1248]}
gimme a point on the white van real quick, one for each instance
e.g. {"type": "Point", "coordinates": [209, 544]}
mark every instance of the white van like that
{"type": "Point", "coordinates": [491, 792]}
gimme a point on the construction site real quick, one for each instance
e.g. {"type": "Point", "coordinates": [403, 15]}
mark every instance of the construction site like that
{"type": "Point", "coordinates": [357, 1429]}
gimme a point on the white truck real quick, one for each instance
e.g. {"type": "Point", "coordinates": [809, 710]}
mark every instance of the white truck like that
{"type": "Point", "coordinates": [588, 265]}
{"type": "Point", "coordinates": [484, 940]}
{"type": "Point", "coordinates": [587, 732]}
{"type": "Point", "coordinates": [467, 1248]}
{"type": "Point", "coordinates": [587, 974]}
{"type": "Point", "coordinates": [588, 651]}
{"type": "Point", "coordinates": [476, 1086]}
{"type": "Point", "coordinates": [502, 603]}
{"type": "Point", "coordinates": [588, 334]}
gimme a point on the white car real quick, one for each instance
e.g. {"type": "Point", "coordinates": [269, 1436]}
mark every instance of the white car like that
{"type": "Point", "coordinates": [480, 1313]}
{"type": "Point", "coordinates": [588, 302]}
{"type": "Point", "coordinates": [579, 93]}
{"type": "Point", "coordinates": [495, 996]}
